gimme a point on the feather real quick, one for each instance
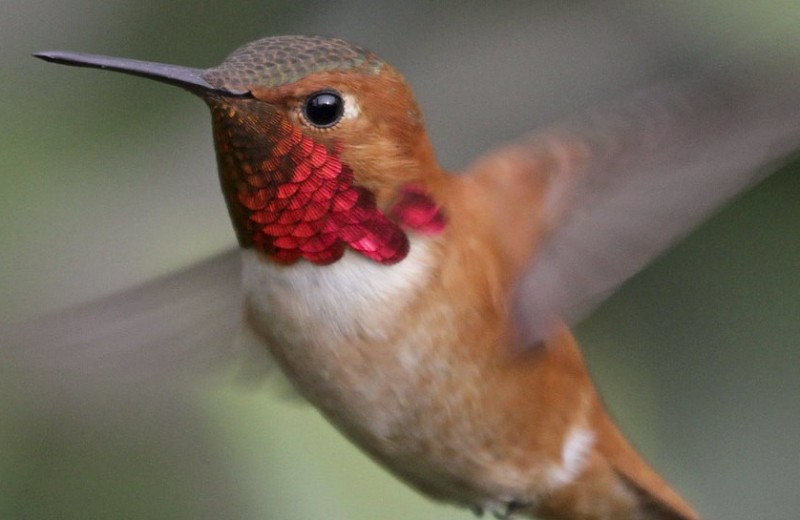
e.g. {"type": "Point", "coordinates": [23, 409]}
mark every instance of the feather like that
{"type": "Point", "coordinates": [634, 177]}
{"type": "Point", "coordinates": [185, 319]}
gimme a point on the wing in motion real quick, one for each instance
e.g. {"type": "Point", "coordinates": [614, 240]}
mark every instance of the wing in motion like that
{"type": "Point", "coordinates": [625, 181]}
{"type": "Point", "coordinates": [171, 322]}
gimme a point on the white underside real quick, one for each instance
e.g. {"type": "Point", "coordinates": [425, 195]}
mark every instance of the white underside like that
{"type": "Point", "coordinates": [318, 319]}
{"type": "Point", "coordinates": [314, 314]}
{"type": "Point", "coordinates": [350, 296]}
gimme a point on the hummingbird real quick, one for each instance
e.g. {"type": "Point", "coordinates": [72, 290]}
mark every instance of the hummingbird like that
{"type": "Point", "coordinates": [426, 313]}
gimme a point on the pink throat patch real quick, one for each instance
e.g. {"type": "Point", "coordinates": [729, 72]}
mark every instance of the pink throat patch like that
{"type": "Point", "coordinates": [298, 201]}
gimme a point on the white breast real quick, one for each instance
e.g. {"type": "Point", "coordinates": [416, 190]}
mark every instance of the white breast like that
{"type": "Point", "coordinates": [328, 327]}
{"type": "Point", "coordinates": [354, 295]}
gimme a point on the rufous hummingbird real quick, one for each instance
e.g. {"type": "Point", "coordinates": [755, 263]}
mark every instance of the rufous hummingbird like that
{"type": "Point", "coordinates": [425, 313]}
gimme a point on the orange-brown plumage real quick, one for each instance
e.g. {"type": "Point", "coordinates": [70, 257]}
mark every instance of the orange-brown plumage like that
{"type": "Point", "coordinates": [518, 401]}
{"type": "Point", "coordinates": [424, 313]}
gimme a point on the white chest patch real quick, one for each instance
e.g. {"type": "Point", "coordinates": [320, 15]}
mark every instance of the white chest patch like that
{"type": "Point", "coordinates": [354, 295]}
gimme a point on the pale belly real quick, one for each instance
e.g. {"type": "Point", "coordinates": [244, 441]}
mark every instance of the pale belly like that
{"type": "Point", "coordinates": [339, 333]}
{"type": "Point", "coordinates": [343, 335]}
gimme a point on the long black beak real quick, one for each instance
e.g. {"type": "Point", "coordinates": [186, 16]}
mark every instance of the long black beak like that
{"type": "Point", "coordinates": [185, 77]}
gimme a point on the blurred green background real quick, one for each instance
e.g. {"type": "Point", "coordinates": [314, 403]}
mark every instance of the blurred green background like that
{"type": "Point", "coordinates": [108, 180]}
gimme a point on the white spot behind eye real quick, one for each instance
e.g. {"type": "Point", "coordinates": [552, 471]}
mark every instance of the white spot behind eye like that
{"type": "Point", "coordinates": [351, 108]}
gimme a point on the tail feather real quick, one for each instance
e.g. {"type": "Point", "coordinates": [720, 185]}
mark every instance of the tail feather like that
{"type": "Point", "coordinates": [656, 500]}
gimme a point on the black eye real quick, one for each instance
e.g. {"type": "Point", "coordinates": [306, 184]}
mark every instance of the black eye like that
{"type": "Point", "coordinates": [324, 109]}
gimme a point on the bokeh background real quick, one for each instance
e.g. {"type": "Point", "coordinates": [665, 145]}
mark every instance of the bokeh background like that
{"type": "Point", "coordinates": [106, 181]}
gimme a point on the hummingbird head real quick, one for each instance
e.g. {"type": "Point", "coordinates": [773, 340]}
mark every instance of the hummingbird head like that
{"type": "Point", "coordinates": [320, 145]}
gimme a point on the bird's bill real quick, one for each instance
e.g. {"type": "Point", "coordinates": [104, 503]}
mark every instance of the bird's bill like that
{"type": "Point", "coordinates": [185, 77]}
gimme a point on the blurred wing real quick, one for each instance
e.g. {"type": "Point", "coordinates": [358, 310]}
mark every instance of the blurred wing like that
{"type": "Point", "coordinates": [627, 180]}
{"type": "Point", "coordinates": [170, 323]}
